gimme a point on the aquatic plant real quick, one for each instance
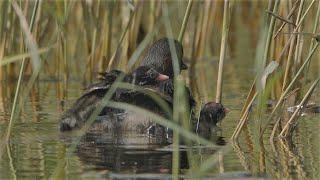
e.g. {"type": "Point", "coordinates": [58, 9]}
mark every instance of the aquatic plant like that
{"type": "Point", "coordinates": [67, 40]}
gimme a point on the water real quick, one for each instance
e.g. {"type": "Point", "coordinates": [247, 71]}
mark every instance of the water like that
{"type": "Point", "coordinates": [37, 145]}
{"type": "Point", "coordinates": [37, 148]}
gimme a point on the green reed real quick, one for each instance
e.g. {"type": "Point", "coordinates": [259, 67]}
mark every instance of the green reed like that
{"type": "Point", "coordinates": [185, 21]}
{"type": "Point", "coordinates": [290, 43]}
{"type": "Point", "coordinates": [176, 96]}
{"type": "Point", "coordinates": [33, 54]}
{"type": "Point", "coordinates": [102, 28]}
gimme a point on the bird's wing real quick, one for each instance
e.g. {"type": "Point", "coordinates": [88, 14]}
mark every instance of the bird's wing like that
{"type": "Point", "coordinates": [96, 87]}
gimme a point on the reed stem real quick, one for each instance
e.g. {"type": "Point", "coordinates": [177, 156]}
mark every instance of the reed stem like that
{"type": "Point", "coordinates": [111, 61]}
{"type": "Point", "coordinates": [224, 40]}
{"type": "Point", "coordinates": [316, 23]}
{"type": "Point", "coordinates": [285, 130]}
{"type": "Point", "coordinates": [281, 18]}
{"type": "Point", "coordinates": [287, 17]}
{"type": "Point", "coordinates": [243, 118]}
{"type": "Point", "coordinates": [17, 9]}
{"type": "Point", "coordinates": [289, 87]}
{"type": "Point", "coordinates": [291, 49]}
{"type": "Point", "coordinates": [185, 21]}
{"type": "Point", "coordinates": [269, 37]}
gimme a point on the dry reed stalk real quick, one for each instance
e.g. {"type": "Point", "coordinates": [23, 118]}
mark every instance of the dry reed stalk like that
{"type": "Point", "coordinates": [96, 14]}
{"type": "Point", "coordinates": [281, 18]}
{"type": "Point", "coordinates": [316, 23]}
{"type": "Point", "coordinates": [112, 60]}
{"type": "Point", "coordinates": [288, 63]}
{"type": "Point", "coordinates": [25, 25]}
{"type": "Point", "coordinates": [288, 128]}
{"type": "Point", "coordinates": [37, 23]}
{"type": "Point", "coordinates": [291, 49]}
{"type": "Point", "coordinates": [225, 31]}
{"type": "Point", "coordinates": [298, 52]}
{"type": "Point", "coordinates": [250, 96]}
{"type": "Point", "coordinates": [287, 17]}
{"type": "Point", "coordinates": [106, 43]}
{"type": "Point", "coordinates": [243, 118]}
{"type": "Point", "coordinates": [3, 7]}
{"type": "Point", "coordinates": [2, 45]}
{"type": "Point", "coordinates": [253, 93]}
{"type": "Point", "coordinates": [276, 126]}
{"type": "Point", "coordinates": [21, 46]}
{"type": "Point", "coordinates": [273, 53]}
{"type": "Point", "coordinates": [196, 49]}
{"type": "Point", "coordinates": [192, 71]}
{"type": "Point", "coordinates": [87, 9]}
{"type": "Point", "coordinates": [294, 79]}
{"type": "Point", "coordinates": [269, 35]}
{"type": "Point", "coordinates": [203, 23]}
{"type": "Point", "coordinates": [134, 30]}
{"type": "Point", "coordinates": [201, 43]}
{"type": "Point", "coordinates": [211, 27]}
{"type": "Point", "coordinates": [313, 41]}
{"type": "Point", "coordinates": [65, 60]}
{"type": "Point", "coordinates": [152, 15]}
{"type": "Point", "coordinates": [92, 52]}
{"type": "Point", "coordinates": [248, 104]}
{"type": "Point", "coordinates": [284, 93]}
{"type": "Point", "coordinates": [295, 30]}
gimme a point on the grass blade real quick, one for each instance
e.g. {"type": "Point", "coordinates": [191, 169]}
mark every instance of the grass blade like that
{"type": "Point", "coordinates": [34, 55]}
{"type": "Point", "coordinates": [15, 58]}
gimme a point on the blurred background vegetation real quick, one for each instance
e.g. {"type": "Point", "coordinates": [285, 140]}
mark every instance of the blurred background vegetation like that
{"type": "Point", "coordinates": [77, 39]}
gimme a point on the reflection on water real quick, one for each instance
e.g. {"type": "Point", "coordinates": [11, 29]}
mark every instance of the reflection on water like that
{"type": "Point", "coordinates": [126, 154]}
{"type": "Point", "coordinates": [37, 146]}
{"type": "Point", "coordinates": [123, 152]}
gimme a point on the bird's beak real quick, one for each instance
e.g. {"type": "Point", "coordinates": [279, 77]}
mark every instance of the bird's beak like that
{"type": "Point", "coordinates": [162, 77]}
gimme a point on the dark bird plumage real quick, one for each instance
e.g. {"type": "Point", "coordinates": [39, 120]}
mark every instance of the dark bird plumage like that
{"type": "Point", "coordinates": [159, 56]}
{"type": "Point", "coordinates": [81, 110]}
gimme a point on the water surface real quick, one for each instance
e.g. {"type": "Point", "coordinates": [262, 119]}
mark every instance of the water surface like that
{"type": "Point", "coordinates": [37, 149]}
